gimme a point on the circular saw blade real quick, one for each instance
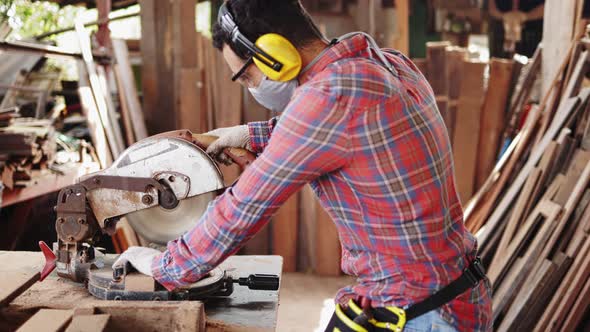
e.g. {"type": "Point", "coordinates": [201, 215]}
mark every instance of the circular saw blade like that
{"type": "Point", "coordinates": [159, 225]}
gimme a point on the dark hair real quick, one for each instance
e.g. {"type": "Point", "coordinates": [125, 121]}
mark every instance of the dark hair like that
{"type": "Point", "coordinates": [255, 18]}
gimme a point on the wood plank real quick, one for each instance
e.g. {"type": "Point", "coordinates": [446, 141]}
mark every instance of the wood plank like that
{"type": "Point", "coordinates": [14, 284]}
{"type": "Point", "coordinates": [436, 62]}
{"type": "Point", "coordinates": [89, 323]}
{"type": "Point", "coordinates": [492, 120]}
{"type": "Point", "coordinates": [557, 36]}
{"type": "Point", "coordinates": [507, 199]}
{"type": "Point", "coordinates": [580, 307]}
{"type": "Point", "coordinates": [96, 88]}
{"type": "Point", "coordinates": [517, 310]}
{"type": "Point", "coordinates": [307, 226]}
{"type": "Point", "coordinates": [455, 56]}
{"type": "Point", "coordinates": [111, 110]}
{"type": "Point", "coordinates": [517, 214]}
{"type": "Point", "coordinates": [47, 320]}
{"type": "Point", "coordinates": [328, 250]}
{"type": "Point", "coordinates": [497, 179]}
{"type": "Point", "coordinates": [549, 212]}
{"type": "Point", "coordinates": [90, 111]}
{"type": "Point", "coordinates": [285, 228]}
{"type": "Point", "coordinates": [567, 292]}
{"type": "Point", "coordinates": [402, 26]}
{"type": "Point", "coordinates": [127, 89]}
{"type": "Point", "coordinates": [523, 90]}
{"type": "Point", "coordinates": [542, 293]}
{"type": "Point", "coordinates": [466, 135]}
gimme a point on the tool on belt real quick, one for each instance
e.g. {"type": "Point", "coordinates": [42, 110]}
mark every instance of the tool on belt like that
{"type": "Point", "coordinates": [360, 317]}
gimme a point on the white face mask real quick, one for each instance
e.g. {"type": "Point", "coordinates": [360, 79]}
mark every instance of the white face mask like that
{"type": "Point", "coordinates": [274, 95]}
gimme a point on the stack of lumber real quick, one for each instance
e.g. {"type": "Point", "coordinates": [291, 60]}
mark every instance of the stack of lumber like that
{"type": "Point", "coordinates": [474, 107]}
{"type": "Point", "coordinates": [532, 215]}
{"type": "Point", "coordinates": [25, 144]}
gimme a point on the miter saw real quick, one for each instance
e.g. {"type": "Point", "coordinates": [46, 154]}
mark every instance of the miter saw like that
{"type": "Point", "coordinates": [161, 185]}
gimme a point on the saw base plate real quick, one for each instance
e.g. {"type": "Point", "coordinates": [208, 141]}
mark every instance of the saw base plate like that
{"type": "Point", "coordinates": [102, 285]}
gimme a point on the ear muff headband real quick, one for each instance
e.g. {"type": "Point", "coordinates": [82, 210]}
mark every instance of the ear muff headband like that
{"type": "Point", "coordinates": [273, 54]}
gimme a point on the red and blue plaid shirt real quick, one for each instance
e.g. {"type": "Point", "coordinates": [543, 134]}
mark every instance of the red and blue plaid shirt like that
{"type": "Point", "coordinates": [375, 150]}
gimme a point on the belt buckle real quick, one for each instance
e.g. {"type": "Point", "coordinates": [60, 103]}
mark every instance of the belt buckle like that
{"type": "Point", "coordinates": [476, 272]}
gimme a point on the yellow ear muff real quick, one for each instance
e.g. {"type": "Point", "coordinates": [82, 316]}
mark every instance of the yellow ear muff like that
{"type": "Point", "coordinates": [283, 51]}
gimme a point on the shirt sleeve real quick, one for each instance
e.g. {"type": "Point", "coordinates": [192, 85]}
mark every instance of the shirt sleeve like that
{"type": "Point", "coordinates": [310, 140]}
{"type": "Point", "coordinates": [260, 132]}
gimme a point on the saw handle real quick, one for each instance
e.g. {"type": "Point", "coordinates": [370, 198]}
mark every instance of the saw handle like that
{"type": "Point", "coordinates": [240, 156]}
{"type": "Point", "coordinates": [268, 282]}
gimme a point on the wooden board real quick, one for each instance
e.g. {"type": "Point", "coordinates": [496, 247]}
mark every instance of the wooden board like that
{"type": "Point", "coordinates": [284, 233]}
{"type": "Point", "coordinates": [90, 111]}
{"type": "Point", "coordinates": [569, 289]}
{"type": "Point", "coordinates": [549, 212]}
{"type": "Point", "coordinates": [455, 56]}
{"type": "Point", "coordinates": [97, 92]}
{"type": "Point", "coordinates": [328, 250]}
{"type": "Point", "coordinates": [436, 62]}
{"type": "Point", "coordinates": [111, 110]}
{"type": "Point", "coordinates": [243, 310]}
{"type": "Point", "coordinates": [14, 284]}
{"type": "Point", "coordinates": [517, 214]}
{"type": "Point", "coordinates": [493, 120]}
{"type": "Point", "coordinates": [127, 90]}
{"type": "Point", "coordinates": [466, 134]}
{"type": "Point", "coordinates": [89, 323]}
{"type": "Point", "coordinates": [518, 309]}
{"type": "Point", "coordinates": [47, 320]}
{"type": "Point", "coordinates": [534, 158]}
{"type": "Point", "coordinates": [557, 36]}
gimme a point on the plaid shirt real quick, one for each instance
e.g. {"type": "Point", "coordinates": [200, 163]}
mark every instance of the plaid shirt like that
{"type": "Point", "coordinates": [375, 150]}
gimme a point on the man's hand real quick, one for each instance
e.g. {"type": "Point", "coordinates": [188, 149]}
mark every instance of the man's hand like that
{"type": "Point", "coordinates": [230, 137]}
{"type": "Point", "coordinates": [140, 257]}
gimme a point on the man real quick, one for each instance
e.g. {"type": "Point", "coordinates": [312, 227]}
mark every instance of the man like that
{"type": "Point", "coordinates": [361, 126]}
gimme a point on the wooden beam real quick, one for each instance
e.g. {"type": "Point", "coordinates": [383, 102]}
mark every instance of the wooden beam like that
{"type": "Point", "coordinates": [127, 90]}
{"type": "Point", "coordinates": [538, 150]}
{"type": "Point", "coordinates": [328, 250]}
{"type": "Point", "coordinates": [493, 114]}
{"type": "Point", "coordinates": [89, 323]}
{"type": "Point", "coordinates": [49, 320]}
{"type": "Point", "coordinates": [285, 229]}
{"type": "Point", "coordinates": [467, 125]}
{"type": "Point", "coordinates": [169, 69]}
{"type": "Point", "coordinates": [558, 32]}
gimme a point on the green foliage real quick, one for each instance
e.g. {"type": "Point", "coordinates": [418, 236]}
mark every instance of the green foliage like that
{"type": "Point", "coordinates": [27, 18]}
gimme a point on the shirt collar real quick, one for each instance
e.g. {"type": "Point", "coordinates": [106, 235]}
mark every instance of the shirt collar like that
{"type": "Point", "coordinates": [347, 48]}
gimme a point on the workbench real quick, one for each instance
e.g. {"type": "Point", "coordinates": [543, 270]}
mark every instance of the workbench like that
{"type": "Point", "coordinates": [243, 310]}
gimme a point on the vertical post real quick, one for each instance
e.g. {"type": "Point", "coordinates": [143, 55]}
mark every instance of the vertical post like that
{"type": "Point", "coordinates": [103, 35]}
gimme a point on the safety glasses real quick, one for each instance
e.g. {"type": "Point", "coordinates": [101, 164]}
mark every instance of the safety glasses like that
{"type": "Point", "coordinates": [242, 70]}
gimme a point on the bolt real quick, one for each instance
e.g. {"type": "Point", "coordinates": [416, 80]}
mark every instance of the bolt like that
{"type": "Point", "coordinates": [81, 221]}
{"type": "Point", "coordinates": [171, 178]}
{"type": "Point", "coordinates": [61, 220]}
{"type": "Point", "coordinates": [185, 179]}
{"type": "Point", "coordinates": [147, 199]}
{"type": "Point", "coordinates": [70, 238]}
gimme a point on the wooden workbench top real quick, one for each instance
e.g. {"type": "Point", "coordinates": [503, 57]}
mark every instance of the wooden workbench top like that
{"type": "Point", "coordinates": [244, 310]}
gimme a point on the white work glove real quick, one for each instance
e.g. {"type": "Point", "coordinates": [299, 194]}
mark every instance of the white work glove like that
{"type": "Point", "coordinates": [140, 257]}
{"type": "Point", "coordinates": [230, 137]}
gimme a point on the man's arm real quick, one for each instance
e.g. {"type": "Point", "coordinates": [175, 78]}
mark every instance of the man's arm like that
{"type": "Point", "coordinates": [260, 132]}
{"type": "Point", "coordinates": [310, 140]}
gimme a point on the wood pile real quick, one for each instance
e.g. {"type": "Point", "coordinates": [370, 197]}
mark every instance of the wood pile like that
{"type": "Point", "coordinates": [532, 214]}
{"type": "Point", "coordinates": [25, 144]}
{"type": "Point", "coordinates": [473, 98]}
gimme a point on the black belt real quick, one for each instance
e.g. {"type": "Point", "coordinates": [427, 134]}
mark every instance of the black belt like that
{"type": "Point", "coordinates": [393, 318]}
